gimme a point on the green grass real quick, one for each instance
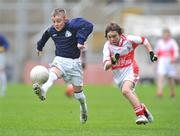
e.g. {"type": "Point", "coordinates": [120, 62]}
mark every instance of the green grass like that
{"type": "Point", "coordinates": [110, 114]}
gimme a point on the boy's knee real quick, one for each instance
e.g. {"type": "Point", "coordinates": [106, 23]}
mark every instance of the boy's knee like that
{"type": "Point", "coordinates": [56, 71]}
{"type": "Point", "coordinates": [126, 91]}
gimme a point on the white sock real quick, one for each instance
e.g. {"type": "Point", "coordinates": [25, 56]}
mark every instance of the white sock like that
{"type": "Point", "coordinates": [82, 99]}
{"type": "Point", "coordinates": [3, 82]}
{"type": "Point", "coordinates": [52, 77]}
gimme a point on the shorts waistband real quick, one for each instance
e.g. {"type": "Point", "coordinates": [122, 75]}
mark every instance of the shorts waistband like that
{"type": "Point", "coordinates": [67, 59]}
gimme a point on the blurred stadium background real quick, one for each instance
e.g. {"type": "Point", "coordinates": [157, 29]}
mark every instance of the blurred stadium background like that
{"type": "Point", "coordinates": [23, 22]}
{"type": "Point", "coordinates": [21, 114]}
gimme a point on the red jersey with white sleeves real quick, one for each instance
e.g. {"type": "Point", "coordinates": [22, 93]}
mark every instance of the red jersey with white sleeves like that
{"type": "Point", "coordinates": [167, 52]}
{"type": "Point", "coordinates": [126, 68]}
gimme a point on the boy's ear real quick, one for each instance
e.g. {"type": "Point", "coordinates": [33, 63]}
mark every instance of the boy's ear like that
{"type": "Point", "coordinates": [65, 18]}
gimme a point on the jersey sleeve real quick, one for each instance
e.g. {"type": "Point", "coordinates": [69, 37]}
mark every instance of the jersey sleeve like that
{"type": "Point", "coordinates": [41, 43]}
{"type": "Point", "coordinates": [176, 49]}
{"type": "Point", "coordinates": [83, 27]}
{"type": "Point", "coordinates": [137, 40]}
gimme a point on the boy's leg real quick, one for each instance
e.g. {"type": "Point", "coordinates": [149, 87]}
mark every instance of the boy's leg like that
{"type": "Point", "coordinates": [127, 90]}
{"type": "Point", "coordinates": [160, 86]}
{"type": "Point", "coordinates": [3, 83]}
{"type": "Point", "coordinates": [41, 91]}
{"type": "Point", "coordinates": [79, 95]}
{"type": "Point", "coordinates": [172, 86]}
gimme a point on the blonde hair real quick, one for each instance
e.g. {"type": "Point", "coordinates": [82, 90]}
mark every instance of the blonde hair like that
{"type": "Point", "coordinates": [58, 11]}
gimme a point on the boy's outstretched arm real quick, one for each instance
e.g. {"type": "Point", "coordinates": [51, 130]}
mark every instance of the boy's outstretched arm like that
{"type": "Point", "coordinates": [152, 55]}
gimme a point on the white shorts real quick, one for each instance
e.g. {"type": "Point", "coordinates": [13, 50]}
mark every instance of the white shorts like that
{"type": "Point", "coordinates": [2, 60]}
{"type": "Point", "coordinates": [167, 69]}
{"type": "Point", "coordinates": [72, 71]}
{"type": "Point", "coordinates": [125, 74]}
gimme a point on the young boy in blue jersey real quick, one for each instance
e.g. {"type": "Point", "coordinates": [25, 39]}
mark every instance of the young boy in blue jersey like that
{"type": "Point", "coordinates": [4, 45]}
{"type": "Point", "coordinates": [69, 37]}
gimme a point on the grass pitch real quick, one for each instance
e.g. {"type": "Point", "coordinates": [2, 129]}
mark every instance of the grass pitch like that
{"type": "Point", "coordinates": [110, 114]}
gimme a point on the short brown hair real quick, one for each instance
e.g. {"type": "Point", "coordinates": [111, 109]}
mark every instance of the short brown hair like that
{"type": "Point", "coordinates": [58, 11]}
{"type": "Point", "coordinates": [166, 30]}
{"type": "Point", "coordinates": [113, 27]}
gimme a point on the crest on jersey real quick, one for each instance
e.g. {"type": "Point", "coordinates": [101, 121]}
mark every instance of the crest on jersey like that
{"type": "Point", "coordinates": [68, 34]}
{"type": "Point", "coordinates": [54, 35]}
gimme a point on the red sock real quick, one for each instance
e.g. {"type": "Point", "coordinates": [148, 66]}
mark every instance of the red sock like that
{"type": "Point", "coordinates": [139, 110]}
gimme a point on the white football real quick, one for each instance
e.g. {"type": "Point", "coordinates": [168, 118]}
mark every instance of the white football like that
{"type": "Point", "coordinates": [39, 74]}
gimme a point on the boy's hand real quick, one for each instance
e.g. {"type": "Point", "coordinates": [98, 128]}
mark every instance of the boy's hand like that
{"type": "Point", "coordinates": [81, 46]}
{"type": "Point", "coordinates": [83, 65]}
{"type": "Point", "coordinates": [115, 58]}
{"type": "Point", "coordinates": [39, 53]}
{"type": "Point", "coordinates": [2, 49]}
{"type": "Point", "coordinates": [153, 57]}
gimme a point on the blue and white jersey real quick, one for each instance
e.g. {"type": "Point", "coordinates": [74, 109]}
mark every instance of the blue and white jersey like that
{"type": "Point", "coordinates": [75, 31]}
{"type": "Point", "coordinates": [4, 45]}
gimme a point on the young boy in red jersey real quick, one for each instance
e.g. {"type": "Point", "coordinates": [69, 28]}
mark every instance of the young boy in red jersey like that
{"type": "Point", "coordinates": [167, 51]}
{"type": "Point", "coordinates": [118, 55]}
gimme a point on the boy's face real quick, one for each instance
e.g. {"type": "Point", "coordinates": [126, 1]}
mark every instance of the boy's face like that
{"type": "Point", "coordinates": [166, 35]}
{"type": "Point", "coordinates": [58, 21]}
{"type": "Point", "coordinates": [113, 37]}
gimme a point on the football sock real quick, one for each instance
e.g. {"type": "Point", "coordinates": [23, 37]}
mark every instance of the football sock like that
{"type": "Point", "coordinates": [3, 84]}
{"type": "Point", "coordinates": [139, 110]}
{"type": "Point", "coordinates": [52, 77]}
{"type": "Point", "coordinates": [81, 98]}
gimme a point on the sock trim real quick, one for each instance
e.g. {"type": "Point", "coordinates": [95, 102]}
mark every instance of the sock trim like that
{"type": "Point", "coordinates": [78, 92]}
